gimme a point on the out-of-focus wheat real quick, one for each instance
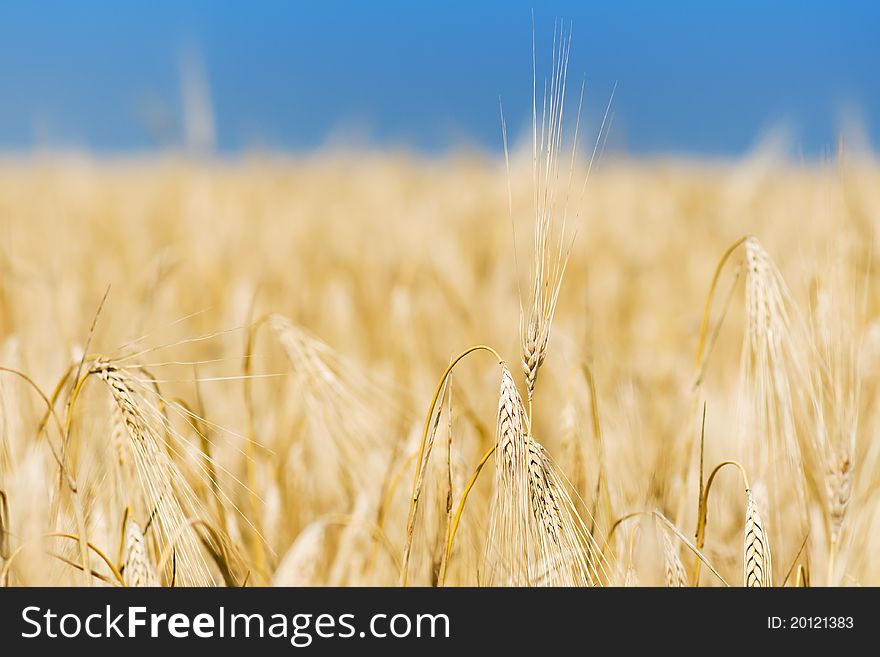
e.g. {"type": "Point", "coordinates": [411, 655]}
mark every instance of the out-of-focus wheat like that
{"type": "Point", "coordinates": [397, 263]}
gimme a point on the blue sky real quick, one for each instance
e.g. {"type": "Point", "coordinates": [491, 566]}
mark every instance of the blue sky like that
{"type": "Point", "coordinates": [693, 77]}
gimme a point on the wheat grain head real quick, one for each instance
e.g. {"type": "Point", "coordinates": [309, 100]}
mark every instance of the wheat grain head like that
{"type": "Point", "coordinates": [757, 564]}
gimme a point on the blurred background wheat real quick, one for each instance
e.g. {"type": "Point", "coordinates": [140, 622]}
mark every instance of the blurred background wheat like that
{"type": "Point", "coordinates": [217, 364]}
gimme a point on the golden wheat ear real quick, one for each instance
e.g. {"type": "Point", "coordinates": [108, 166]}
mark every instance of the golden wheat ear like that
{"type": "Point", "coordinates": [757, 564]}
{"type": "Point", "coordinates": [163, 490]}
{"type": "Point", "coordinates": [774, 387]}
{"type": "Point", "coordinates": [510, 429]}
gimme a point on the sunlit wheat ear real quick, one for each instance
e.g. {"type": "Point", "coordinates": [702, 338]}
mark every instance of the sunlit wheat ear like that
{"type": "Point", "coordinates": [163, 491]}
{"type": "Point", "coordinates": [569, 555]}
{"type": "Point", "coordinates": [770, 367]}
{"type": "Point", "coordinates": [550, 254]}
{"type": "Point", "coordinates": [534, 350]}
{"type": "Point", "coordinates": [303, 564]}
{"type": "Point", "coordinates": [508, 549]}
{"type": "Point", "coordinates": [757, 565]}
{"type": "Point", "coordinates": [139, 570]}
{"type": "Point", "coordinates": [510, 429]}
{"type": "Point", "coordinates": [839, 488]}
{"type": "Point", "coordinates": [673, 569]}
{"type": "Point", "coordinates": [543, 493]}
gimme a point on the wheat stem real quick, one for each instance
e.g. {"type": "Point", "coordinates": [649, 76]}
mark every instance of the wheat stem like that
{"type": "Point", "coordinates": [410, 522]}
{"type": "Point", "coordinates": [453, 528]}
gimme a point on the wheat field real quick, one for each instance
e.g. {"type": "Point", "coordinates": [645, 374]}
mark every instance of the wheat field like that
{"type": "Point", "coordinates": [377, 369]}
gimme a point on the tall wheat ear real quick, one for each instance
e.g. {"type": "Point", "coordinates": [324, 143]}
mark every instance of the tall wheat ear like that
{"type": "Point", "coordinates": [549, 252]}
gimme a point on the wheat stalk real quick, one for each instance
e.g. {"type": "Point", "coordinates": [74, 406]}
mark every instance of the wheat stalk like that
{"type": "Point", "coordinates": [510, 427]}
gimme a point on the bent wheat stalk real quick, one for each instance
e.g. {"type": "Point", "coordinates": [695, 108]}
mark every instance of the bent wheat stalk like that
{"type": "Point", "coordinates": [422, 456]}
{"type": "Point", "coordinates": [138, 570]}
